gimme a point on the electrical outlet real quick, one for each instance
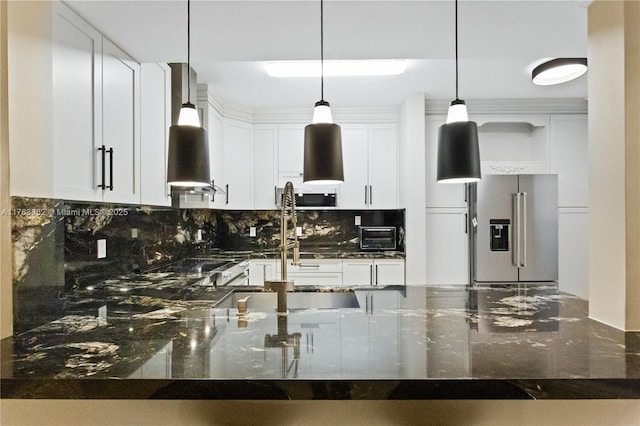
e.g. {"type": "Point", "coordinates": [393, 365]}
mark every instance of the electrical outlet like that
{"type": "Point", "coordinates": [252, 231]}
{"type": "Point", "coordinates": [134, 233]}
{"type": "Point", "coordinates": [299, 231]}
{"type": "Point", "coordinates": [102, 249]}
{"type": "Point", "coordinates": [199, 235]}
{"type": "Point", "coordinates": [358, 220]}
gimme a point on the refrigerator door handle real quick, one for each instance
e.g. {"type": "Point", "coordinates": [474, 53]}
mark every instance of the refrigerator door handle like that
{"type": "Point", "coordinates": [516, 225]}
{"type": "Point", "coordinates": [523, 262]}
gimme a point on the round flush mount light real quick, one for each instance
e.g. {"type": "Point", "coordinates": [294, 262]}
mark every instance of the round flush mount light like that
{"type": "Point", "coordinates": [559, 70]}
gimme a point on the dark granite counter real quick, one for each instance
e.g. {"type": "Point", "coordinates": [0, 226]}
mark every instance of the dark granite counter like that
{"type": "Point", "coordinates": [397, 343]}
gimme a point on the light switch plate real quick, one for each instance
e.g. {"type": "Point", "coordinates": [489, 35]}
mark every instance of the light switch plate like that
{"type": "Point", "coordinates": [299, 231]}
{"type": "Point", "coordinates": [199, 235]}
{"type": "Point", "coordinates": [134, 233]}
{"type": "Point", "coordinates": [102, 249]}
{"type": "Point", "coordinates": [252, 231]}
{"type": "Point", "coordinates": [358, 220]}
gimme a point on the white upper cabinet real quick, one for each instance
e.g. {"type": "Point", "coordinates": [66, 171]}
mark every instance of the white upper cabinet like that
{"type": "Point", "coordinates": [213, 122]}
{"type": "Point", "coordinates": [155, 120]}
{"type": "Point", "coordinates": [237, 166]}
{"type": "Point", "coordinates": [265, 166]}
{"type": "Point", "coordinates": [77, 107]}
{"type": "Point", "coordinates": [291, 148]}
{"type": "Point", "coordinates": [354, 192]}
{"type": "Point", "coordinates": [439, 194]}
{"type": "Point", "coordinates": [370, 166]}
{"type": "Point", "coordinates": [570, 137]}
{"type": "Point", "coordinates": [121, 124]}
{"type": "Point", "coordinates": [96, 103]}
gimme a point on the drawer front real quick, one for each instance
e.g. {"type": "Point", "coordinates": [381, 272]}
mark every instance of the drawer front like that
{"type": "Point", "coordinates": [315, 266]}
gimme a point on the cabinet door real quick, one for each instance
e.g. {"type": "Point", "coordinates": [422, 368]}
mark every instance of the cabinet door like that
{"type": "Point", "coordinates": [383, 183]}
{"type": "Point", "coordinates": [389, 272]}
{"type": "Point", "coordinates": [447, 247]}
{"type": "Point", "coordinates": [291, 148]}
{"type": "Point", "coordinates": [155, 120]}
{"type": "Point", "coordinates": [77, 112]}
{"type": "Point", "coordinates": [212, 121]}
{"type": "Point", "coordinates": [570, 136]}
{"type": "Point", "coordinates": [262, 270]}
{"type": "Point", "coordinates": [354, 192]}
{"type": "Point", "coordinates": [237, 154]}
{"type": "Point", "coordinates": [357, 272]}
{"type": "Point", "coordinates": [439, 194]}
{"type": "Point", "coordinates": [265, 166]}
{"type": "Point", "coordinates": [120, 125]}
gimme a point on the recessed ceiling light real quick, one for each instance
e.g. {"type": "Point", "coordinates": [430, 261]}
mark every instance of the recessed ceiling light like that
{"type": "Point", "coordinates": [343, 68]}
{"type": "Point", "coordinates": [558, 71]}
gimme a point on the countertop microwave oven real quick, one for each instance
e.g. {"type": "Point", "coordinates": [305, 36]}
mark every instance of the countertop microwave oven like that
{"type": "Point", "coordinates": [377, 237]}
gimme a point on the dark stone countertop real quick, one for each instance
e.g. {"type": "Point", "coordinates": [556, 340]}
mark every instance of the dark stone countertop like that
{"type": "Point", "coordinates": [502, 342]}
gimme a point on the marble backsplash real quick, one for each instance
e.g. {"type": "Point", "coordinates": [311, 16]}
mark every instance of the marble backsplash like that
{"type": "Point", "coordinates": [55, 243]}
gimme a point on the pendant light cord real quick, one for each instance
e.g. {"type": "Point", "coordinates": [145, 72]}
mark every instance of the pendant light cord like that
{"type": "Point", "coordinates": [456, 27]}
{"type": "Point", "coordinates": [188, 51]}
{"type": "Point", "coordinates": [321, 50]}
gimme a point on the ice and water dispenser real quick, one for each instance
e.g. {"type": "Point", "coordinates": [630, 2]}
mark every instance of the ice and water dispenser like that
{"type": "Point", "coordinates": [499, 239]}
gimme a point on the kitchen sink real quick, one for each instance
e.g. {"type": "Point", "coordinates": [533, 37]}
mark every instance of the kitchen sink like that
{"type": "Point", "coordinates": [267, 301]}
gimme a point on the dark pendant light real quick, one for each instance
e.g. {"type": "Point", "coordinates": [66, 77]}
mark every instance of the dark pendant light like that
{"type": "Point", "coordinates": [322, 138]}
{"type": "Point", "coordinates": [188, 164]}
{"type": "Point", "coordinates": [458, 150]}
{"type": "Point", "coordinates": [559, 70]}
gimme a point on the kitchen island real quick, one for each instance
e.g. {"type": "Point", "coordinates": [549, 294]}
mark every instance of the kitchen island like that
{"type": "Point", "coordinates": [522, 341]}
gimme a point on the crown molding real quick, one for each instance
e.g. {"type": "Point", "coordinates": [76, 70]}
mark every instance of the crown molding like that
{"type": "Point", "coordinates": [512, 106]}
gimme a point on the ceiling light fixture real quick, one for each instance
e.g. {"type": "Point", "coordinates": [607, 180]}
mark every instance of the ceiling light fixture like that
{"type": "Point", "coordinates": [559, 70]}
{"type": "Point", "coordinates": [322, 138]}
{"type": "Point", "coordinates": [188, 163]}
{"type": "Point", "coordinates": [336, 68]}
{"type": "Point", "coordinates": [458, 151]}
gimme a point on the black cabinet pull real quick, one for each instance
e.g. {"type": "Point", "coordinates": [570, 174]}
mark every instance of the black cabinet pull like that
{"type": "Point", "coordinates": [365, 195]}
{"type": "Point", "coordinates": [227, 194]}
{"type": "Point", "coordinates": [110, 152]}
{"type": "Point", "coordinates": [103, 150]}
{"type": "Point", "coordinates": [370, 194]}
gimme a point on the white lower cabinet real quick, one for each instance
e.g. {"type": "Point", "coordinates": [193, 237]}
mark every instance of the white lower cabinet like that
{"type": "Point", "coordinates": [331, 272]}
{"type": "Point", "coordinates": [358, 272]}
{"type": "Point", "coordinates": [261, 270]}
{"type": "Point", "coordinates": [447, 246]}
{"type": "Point", "coordinates": [325, 272]}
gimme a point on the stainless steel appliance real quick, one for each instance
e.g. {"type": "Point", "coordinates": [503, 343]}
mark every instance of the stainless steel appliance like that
{"type": "Point", "coordinates": [514, 234]}
{"type": "Point", "coordinates": [312, 198]}
{"type": "Point", "coordinates": [377, 237]}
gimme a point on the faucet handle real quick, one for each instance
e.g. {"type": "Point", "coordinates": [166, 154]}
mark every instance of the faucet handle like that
{"type": "Point", "coordinates": [296, 254]}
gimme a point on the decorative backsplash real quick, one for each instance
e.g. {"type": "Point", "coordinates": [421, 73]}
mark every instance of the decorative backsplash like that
{"type": "Point", "coordinates": [55, 243]}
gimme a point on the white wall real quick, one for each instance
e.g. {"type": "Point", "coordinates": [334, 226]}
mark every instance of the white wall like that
{"type": "Point", "coordinates": [411, 156]}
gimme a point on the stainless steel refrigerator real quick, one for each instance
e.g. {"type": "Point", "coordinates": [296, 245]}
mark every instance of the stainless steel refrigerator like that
{"type": "Point", "coordinates": [514, 229]}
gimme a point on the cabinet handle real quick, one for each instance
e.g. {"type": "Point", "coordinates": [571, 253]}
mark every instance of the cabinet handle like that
{"type": "Point", "coordinates": [366, 194]}
{"type": "Point", "coordinates": [370, 194]}
{"type": "Point", "coordinates": [309, 265]}
{"type": "Point", "coordinates": [376, 276]}
{"type": "Point", "coordinates": [370, 274]}
{"type": "Point", "coordinates": [110, 152]}
{"type": "Point", "coordinates": [466, 223]}
{"type": "Point", "coordinates": [226, 187]}
{"type": "Point", "coordinates": [275, 195]}
{"type": "Point", "coordinates": [103, 185]}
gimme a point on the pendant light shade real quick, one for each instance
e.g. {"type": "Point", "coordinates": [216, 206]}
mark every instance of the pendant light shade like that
{"type": "Point", "coordinates": [322, 138]}
{"type": "Point", "coordinates": [188, 157]}
{"type": "Point", "coordinates": [188, 163]}
{"type": "Point", "coordinates": [558, 71]}
{"type": "Point", "coordinates": [458, 153]}
{"type": "Point", "coordinates": [323, 154]}
{"type": "Point", "coordinates": [458, 150]}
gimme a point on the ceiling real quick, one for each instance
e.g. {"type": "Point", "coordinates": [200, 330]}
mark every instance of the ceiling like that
{"type": "Point", "coordinates": [499, 43]}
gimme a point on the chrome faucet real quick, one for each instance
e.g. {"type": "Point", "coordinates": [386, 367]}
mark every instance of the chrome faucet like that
{"type": "Point", "coordinates": [288, 212]}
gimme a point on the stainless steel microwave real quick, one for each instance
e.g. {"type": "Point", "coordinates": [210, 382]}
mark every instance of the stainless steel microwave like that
{"type": "Point", "coordinates": [377, 237]}
{"type": "Point", "coordinates": [309, 199]}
